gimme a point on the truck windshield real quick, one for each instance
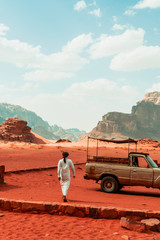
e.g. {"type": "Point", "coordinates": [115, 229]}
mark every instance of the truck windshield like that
{"type": "Point", "coordinates": [153, 164]}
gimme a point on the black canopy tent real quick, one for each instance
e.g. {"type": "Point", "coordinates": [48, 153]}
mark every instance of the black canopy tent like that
{"type": "Point", "coordinates": [121, 141]}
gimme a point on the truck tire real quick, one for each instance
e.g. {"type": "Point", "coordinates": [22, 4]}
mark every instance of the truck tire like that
{"type": "Point", "coordinates": [109, 184]}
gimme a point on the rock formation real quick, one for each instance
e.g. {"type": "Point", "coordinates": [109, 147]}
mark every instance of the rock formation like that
{"type": "Point", "coordinates": [153, 97]}
{"type": "Point", "coordinates": [151, 224]}
{"type": "Point", "coordinates": [142, 122]}
{"type": "Point", "coordinates": [63, 141]}
{"type": "Point", "coordinates": [15, 129]}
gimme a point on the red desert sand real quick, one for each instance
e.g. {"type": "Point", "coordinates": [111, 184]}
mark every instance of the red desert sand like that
{"type": "Point", "coordinates": [44, 186]}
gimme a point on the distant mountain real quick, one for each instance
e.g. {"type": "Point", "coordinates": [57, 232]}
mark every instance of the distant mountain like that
{"type": "Point", "coordinates": [44, 132]}
{"type": "Point", "coordinates": [72, 133]}
{"type": "Point", "coordinates": [37, 124]}
{"type": "Point", "coordinates": [142, 122]}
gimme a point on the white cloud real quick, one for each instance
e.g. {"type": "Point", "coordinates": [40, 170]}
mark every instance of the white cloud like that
{"type": "Point", "coordinates": [3, 29]}
{"type": "Point", "coordinates": [19, 53]}
{"type": "Point", "coordinates": [5, 90]}
{"type": "Point", "coordinates": [78, 44]}
{"type": "Point", "coordinates": [9, 93]}
{"type": "Point", "coordinates": [140, 58]}
{"type": "Point", "coordinates": [46, 75]}
{"type": "Point", "coordinates": [110, 45]}
{"type": "Point", "coordinates": [155, 30]}
{"type": "Point", "coordinates": [83, 103]}
{"type": "Point", "coordinates": [28, 86]}
{"type": "Point", "coordinates": [115, 19]}
{"type": "Point", "coordinates": [123, 80]}
{"type": "Point", "coordinates": [96, 12]}
{"type": "Point", "coordinates": [96, 88]}
{"type": "Point", "coordinates": [155, 87]}
{"type": "Point", "coordinates": [130, 12]}
{"type": "Point", "coordinates": [80, 5]}
{"type": "Point", "coordinates": [63, 61]}
{"type": "Point", "coordinates": [93, 3]}
{"type": "Point", "coordinates": [118, 27]}
{"type": "Point", "coordinates": [147, 4]}
{"type": "Point", "coordinates": [25, 55]}
{"type": "Point", "coordinates": [68, 59]}
{"type": "Point", "coordinates": [127, 50]}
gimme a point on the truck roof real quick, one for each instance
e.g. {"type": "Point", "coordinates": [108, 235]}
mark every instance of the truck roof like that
{"type": "Point", "coordinates": [139, 153]}
{"type": "Point", "coordinates": [129, 140]}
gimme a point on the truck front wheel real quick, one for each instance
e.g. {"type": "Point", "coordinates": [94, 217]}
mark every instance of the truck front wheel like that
{"type": "Point", "coordinates": [109, 184]}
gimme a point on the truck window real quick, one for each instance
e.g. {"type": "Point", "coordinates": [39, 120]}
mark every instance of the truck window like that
{"type": "Point", "coordinates": [142, 162]}
{"type": "Point", "coordinates": [153, 164]}
{"type": "Point", "coordinates": [135, 161]}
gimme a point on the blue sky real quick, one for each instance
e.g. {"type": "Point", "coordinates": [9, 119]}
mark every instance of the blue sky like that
{"type": "Point", "coordinates": [71, 62]}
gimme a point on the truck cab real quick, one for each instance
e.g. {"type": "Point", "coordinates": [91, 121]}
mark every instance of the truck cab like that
{"type": "Point", "coordinates": [144, 171]}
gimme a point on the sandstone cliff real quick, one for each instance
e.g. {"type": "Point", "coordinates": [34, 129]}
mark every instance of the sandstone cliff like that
{"type": "Point", "coordinates": [15, 129]}
{"type": "Point", "coordinates": [142, 122]}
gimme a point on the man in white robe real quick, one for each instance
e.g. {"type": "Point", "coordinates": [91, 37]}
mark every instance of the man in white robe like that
{"type": "Point", "coordinates": [64, 166]}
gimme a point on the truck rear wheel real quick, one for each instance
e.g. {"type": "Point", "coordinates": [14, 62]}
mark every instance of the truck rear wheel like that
{"type": "Point", "coordinates": [109, 184]}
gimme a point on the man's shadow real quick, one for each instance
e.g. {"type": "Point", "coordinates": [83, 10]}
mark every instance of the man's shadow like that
{"type": "Point", "coordinates": [138, 193]}
{"type": "Point", "coordinates": [6, 187]}
{"type": "Point", "coordinates": [81, 201]}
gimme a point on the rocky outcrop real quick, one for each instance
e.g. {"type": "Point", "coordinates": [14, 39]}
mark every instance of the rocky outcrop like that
{"type": "Point", "coordinates": [132, 225]}
{"type": "Point", "coordinates": [153, 97]}
{"type": "Point", "coordinates": [15, 129]}
{"type": "Point", "coordinates": [142, 122]}
{"type": "Point", "coordinates": [63, 141]}
{"type": "Point", "coordinates": [151, 224]}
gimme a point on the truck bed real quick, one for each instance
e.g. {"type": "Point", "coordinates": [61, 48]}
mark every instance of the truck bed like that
{"type": "Point", "coordinates": [108, 159]}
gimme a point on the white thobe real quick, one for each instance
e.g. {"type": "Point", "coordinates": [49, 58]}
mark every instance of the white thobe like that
{"type": "Point", "coordinates": [64, 174]}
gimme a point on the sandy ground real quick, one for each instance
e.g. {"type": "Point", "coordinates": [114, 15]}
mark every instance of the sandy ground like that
{"type": "Point", "coordinates": [16, 226]}
{"type": "Point", "coordinates": [44, 186]}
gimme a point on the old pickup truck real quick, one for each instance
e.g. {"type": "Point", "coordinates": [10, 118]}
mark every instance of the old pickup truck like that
{"type": "Point", "coordinates": [138, 169]}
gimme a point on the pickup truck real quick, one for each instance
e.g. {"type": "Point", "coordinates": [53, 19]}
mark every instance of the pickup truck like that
{"type": "Point", "coordinates": [138, 169]}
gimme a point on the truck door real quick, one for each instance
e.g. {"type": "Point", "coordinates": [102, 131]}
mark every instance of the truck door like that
{"type": "Point", "coordinates": [141, 173]}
